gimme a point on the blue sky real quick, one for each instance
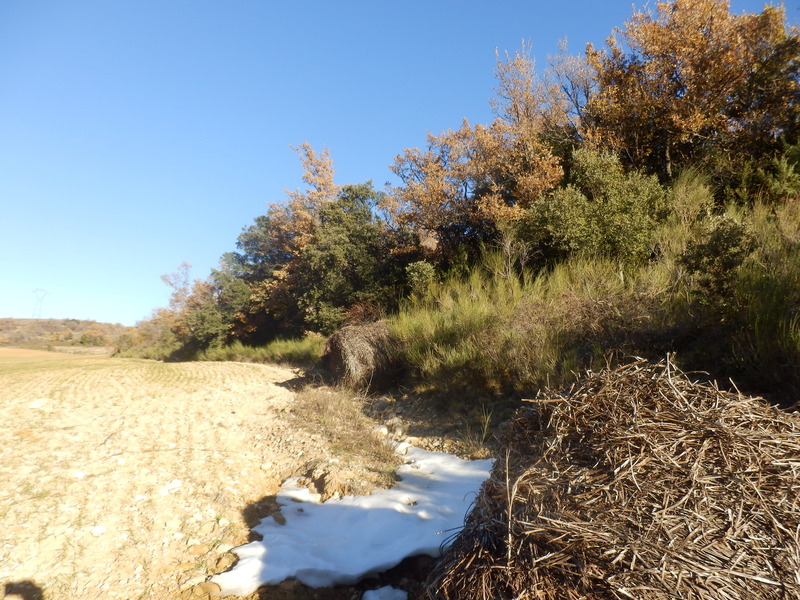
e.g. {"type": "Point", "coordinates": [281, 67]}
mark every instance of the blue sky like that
{"type": "Point", "coordinates": [139, 134]}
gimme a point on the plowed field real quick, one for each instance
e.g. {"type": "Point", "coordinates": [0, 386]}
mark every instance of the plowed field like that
{"type": "Point", "coordinates": [123, 478]}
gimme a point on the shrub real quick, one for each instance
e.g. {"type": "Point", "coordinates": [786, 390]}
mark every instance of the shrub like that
{"type": "Point", "coordinates": [766, 351]}
{"type": "Point", "coordinates": [421, 276]}
{"type": "Point", "coordinates": [602, 212]}
{"type": "Point", "coordinates": [714, 258]}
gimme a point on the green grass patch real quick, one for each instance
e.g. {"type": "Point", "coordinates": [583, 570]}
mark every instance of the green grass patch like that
{"type": "Point", "coordinates": [301, 352]}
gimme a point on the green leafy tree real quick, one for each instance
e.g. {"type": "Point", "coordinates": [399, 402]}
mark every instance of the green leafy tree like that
{"type": "Point", "coordinates": [204, 325]}
{"type": "Point", "coordinates": [351, 260]}
{"type": "Point", "coordinates": [259, 251]}
{"type": "Point", "coordinates": [204, 313]}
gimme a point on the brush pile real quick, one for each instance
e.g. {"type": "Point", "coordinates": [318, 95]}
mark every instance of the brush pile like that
{"type": "Point", "coordinates": [636, 483]}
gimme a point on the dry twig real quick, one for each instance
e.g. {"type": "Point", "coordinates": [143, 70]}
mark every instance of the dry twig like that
{"type": "Point", "coordinates": [636, 483]}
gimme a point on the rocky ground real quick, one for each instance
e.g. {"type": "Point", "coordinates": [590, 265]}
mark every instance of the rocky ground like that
{"type": "Point", "coordinates": [131, 479]}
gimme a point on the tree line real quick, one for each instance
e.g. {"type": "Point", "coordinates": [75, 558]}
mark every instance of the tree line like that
{"type": "Point", "coordinates": [583, 158]}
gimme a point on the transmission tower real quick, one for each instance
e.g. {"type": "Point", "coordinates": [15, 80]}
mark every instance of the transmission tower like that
{"type": "Point", "coordinates": [38, 302]}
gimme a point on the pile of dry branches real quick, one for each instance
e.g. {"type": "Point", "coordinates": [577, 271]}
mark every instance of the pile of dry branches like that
{"type": "Point", "coordinates": [636, 483]}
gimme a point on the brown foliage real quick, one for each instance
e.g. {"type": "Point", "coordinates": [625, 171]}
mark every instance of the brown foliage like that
{"type": "Point", "coordinates": [480, 176]}
{"type": "Point", "coordinates": [296, 220]}
{"type": "Point", "coordinates": [692, 79]}
{"type": "Point", "coordinates": [293, 225]}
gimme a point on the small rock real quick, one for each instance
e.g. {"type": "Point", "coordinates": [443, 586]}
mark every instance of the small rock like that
{"type": "Point", "coordinates": [192, 581]}
{"type": "Point", "coordinates": [207, 588]}
{"type": "Point", "coordinates": [170, 488]}
{"type": "Point", "coordinates": [39, 403]}
{"type": "Point", "coordinates": [225, 562]}
{"type": "Point", "coordinates": [198, 549]}
{"type": "Point", "coordinates": [381, 405]}
{"type": "Point", "coordinates": [207, 528]}
{"type": "Point", "coordinates": [224, 547]}
{"type": "Point", "coordinates": [402, 448]}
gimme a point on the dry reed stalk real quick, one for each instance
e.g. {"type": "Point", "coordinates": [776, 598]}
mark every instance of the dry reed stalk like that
{"type": "Point", "coordinates": [635, 483]}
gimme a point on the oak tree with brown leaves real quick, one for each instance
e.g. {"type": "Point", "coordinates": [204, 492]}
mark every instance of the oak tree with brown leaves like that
{"type": "Point", "coordinates": [468, 182]}
{"type": "Point", "coordinates": [694, 81]}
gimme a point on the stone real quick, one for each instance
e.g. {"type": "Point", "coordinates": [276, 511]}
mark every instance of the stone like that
{"type": "Point", "coordinates": [198, 549]}
{"type": "Point", "coordinates": [207, 528]}
{"type": "Point", "coordinates": [207, 588]}
{"type": "Point", "coordinates": [192, 581]}
{"type": "Point", "coordinates": [224, 562]}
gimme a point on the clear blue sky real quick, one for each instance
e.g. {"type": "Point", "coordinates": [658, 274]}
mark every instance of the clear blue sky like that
{"type": "Point", "coordinates": [139, 134]}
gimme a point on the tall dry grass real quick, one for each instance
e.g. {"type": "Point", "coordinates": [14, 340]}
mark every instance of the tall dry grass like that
{"type": "Point", "coordinates": [733, 312]}
{"type": "Point", "coordinates": [494, 333]}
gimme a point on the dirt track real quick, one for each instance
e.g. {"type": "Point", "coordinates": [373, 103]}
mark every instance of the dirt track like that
{"type": "Point", "coordinates": [127, 479]}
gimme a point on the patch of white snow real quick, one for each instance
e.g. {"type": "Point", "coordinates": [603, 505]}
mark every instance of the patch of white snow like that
{"type": "Point", "coordinates": [342, 540]}
{"type": "Point", "coordinates": [385, 593]}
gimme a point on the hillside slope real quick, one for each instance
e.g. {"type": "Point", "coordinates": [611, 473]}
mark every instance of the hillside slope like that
{"type": "Point", "coordinates": [59, 333]}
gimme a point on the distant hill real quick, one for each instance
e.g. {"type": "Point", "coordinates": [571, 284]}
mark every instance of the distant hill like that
{"type": "Point", "coordinates": [59, 334]}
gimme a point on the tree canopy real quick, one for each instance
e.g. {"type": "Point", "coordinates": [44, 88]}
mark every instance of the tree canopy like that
{"type": "Point", "coordinates": [695, 81]}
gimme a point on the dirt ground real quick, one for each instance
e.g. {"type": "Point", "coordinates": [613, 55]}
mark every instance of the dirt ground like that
{"type": "Point", "coordinates": [126, 479]}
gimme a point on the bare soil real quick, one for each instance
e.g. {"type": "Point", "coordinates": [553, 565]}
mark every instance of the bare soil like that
{"type": "Point", "coordinates": [126, 479]}
{"type": "Point", "coordinates": [134, 479]}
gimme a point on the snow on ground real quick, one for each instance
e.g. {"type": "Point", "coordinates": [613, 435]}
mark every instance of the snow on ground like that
{"type": "Point", "coordinates": [385, 593]}
{"type": "Point", "coordinates": [342, 540]}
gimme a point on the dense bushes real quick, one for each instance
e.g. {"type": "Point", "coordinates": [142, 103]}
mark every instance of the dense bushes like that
{"type": "Point", "coordinates": [640, 199]}
{"type": "Point", "coordinates": [301, 352]}
{"type": "Point", "coordinates": [491, 334]}
{"type": "Point", "coordinates": [724, 292]}
{"type": "Point", "coordinates": [600, 211]}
